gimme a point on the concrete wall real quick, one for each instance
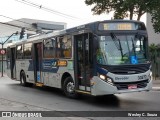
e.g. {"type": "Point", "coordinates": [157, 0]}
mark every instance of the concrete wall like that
{"type": "Point", "coordinates": [152, 36]}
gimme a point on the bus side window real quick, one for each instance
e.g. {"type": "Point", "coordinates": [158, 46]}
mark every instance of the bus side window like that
{"type": "Point", "coordinates": [19, 51]}
{"type": "Point", "coordinates": [27, 51]}
{"type": "Point", "coordinates": [64, 47]}
{"type": "Point", "coordinates": [49, 48]}
{"type": "Point", "coordinates": [67, 46]}
{"type": "Point", "coordinates": [59, 50]}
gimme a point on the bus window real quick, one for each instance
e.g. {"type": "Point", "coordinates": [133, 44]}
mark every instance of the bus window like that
{"type": "Point", "coordinates": [64, 47]}
{"type": "Point", "coordinates": [27, 51]}
{"type": "Point", "coordinates": [49, 48]}
{"type": "Point", "coordinates": [67, 47]}
{"type": "Point", "coordinates": [19, 52]}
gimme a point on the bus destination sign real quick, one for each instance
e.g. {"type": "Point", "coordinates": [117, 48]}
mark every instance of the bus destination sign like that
{"type": "Point", "coordinates": [116, 26]}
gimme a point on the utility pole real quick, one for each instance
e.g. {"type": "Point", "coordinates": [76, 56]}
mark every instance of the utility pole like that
{"type": "Point", "coordinates": [2, 47]}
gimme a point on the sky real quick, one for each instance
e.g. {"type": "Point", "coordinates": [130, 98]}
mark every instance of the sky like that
{"type": "Point", "coordinates": [77, 8]}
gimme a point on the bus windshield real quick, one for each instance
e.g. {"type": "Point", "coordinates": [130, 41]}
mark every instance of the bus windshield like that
{"type": "Point", "coordinates": [121, 49]}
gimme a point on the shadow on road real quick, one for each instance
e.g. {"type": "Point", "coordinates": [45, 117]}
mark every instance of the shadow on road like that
{"type": "Point", "coordinates": [101, 101]}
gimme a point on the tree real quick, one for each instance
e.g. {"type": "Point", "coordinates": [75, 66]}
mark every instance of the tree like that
{"type": "Point", "coordinates": [122, 8]}
{"type": "Point", "coordinates": [155, 13]}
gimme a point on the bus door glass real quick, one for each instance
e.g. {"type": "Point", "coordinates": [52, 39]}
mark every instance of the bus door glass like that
{"type": "Point", "coordinates": [83, 59]}
{"type": "Point", "coordinates": [38, 62]}
{"type": "Point", "coordinates": [11, 60]}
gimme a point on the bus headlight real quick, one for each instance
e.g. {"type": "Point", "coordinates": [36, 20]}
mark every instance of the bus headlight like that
{"type": "Point", "coordinates": [103, 77]}
{"type": "Point", "coordinates": [106, 79]}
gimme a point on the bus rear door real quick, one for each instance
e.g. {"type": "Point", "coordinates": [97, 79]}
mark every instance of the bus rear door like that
{"type": "Point", "coordinates": [11, 60]}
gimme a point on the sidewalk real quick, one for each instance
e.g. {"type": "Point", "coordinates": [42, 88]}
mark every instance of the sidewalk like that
{"type": "Point", "coordinates": [156, 85]}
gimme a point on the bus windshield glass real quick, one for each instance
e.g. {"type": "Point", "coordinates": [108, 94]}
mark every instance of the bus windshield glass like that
{"type": "Point", "coordinates": [121, 49]}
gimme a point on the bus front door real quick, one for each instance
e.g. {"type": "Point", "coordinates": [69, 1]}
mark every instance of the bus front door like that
{"type": "Point", "coordinates": [38, 62]}
{"type": "Point", "coordinates": [82, 61]}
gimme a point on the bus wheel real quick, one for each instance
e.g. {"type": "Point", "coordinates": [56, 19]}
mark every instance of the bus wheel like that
{"type": "Point", "coordinates": [23, 80]}
{"type": "Point", "coordinates": [69, 88]}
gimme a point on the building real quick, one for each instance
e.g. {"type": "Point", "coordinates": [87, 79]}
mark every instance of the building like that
{"type": "Point", "coordinates": [152, 36]}
{"type": "Point", "coordinates": [31, 26]}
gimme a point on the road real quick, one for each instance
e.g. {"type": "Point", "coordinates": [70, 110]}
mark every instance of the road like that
{"type": "Point", "coordinates": [13, 96]}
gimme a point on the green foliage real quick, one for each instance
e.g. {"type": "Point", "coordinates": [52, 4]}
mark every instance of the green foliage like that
{"type": "Point", "coordinates": [101, 6]}
{"type": "Point", "coordinates": [156, 19]}
{"type": "Point", "coordinates": [154, 51]}
{"type": "Point", "coordinates": [122, 8]}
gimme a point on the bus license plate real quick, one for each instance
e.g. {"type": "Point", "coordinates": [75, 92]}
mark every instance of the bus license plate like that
{"type": "Point", "coordinates": [132, 86]}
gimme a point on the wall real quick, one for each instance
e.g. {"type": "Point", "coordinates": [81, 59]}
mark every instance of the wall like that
{"type": "Point", "coordinates": [152, 36]}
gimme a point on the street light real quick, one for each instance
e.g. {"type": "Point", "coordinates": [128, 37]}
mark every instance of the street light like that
{"type": "Point", "coordinates": [2, 43]}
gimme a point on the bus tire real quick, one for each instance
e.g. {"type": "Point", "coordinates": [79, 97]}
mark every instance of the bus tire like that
{"type": "Point", "coordinates": [23, 80]}
{"type": "Point", "coordinates": [69, 88]}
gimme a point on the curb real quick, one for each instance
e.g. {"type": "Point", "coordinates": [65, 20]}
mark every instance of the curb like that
{"type": "Point", "coordinates": [156, 88]}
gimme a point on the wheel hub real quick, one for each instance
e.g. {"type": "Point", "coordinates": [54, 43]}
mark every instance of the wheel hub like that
{"type": "Point", "coordinates": [70, 87]}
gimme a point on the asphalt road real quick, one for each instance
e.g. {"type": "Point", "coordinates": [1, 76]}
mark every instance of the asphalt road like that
{"type": "Point", "coordinates": [13, 96]}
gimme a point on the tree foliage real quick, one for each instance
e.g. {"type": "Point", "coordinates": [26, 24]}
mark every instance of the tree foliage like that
{"type": "Point", "coordinates": [128, 8]}
{"type": "Point", "coordinates": [121, 8]}
{"type": "Point", "coordinates": [155, 13]}
{"type": "Point", "coordinates": [154, 51]}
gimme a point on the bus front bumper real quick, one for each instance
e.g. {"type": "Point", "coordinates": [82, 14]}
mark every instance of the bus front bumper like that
{"type": "Point", "coordinates": [102, 88]}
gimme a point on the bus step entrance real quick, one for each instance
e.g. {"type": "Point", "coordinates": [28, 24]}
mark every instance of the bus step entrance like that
{"type": "Point", "coordinates": [83, 92]}
{"type": "Point", "coordinates": [39, 84]}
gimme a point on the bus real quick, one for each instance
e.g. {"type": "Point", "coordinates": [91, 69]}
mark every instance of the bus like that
{"type": "Point", "coordinates": [99, 58]}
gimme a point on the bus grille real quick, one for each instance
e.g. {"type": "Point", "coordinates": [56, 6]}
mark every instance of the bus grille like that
{"type": "Point", "coordinates": [124, 85]}
{"type": "Point", "coordinates": [128, 69]}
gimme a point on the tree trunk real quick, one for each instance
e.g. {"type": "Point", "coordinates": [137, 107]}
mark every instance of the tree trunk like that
{"type": "Point", "coordinates": [140, 13]}
{"type": "Point", "coordinates": [139, 17]}
{"type": "Point", "coordinates": [131, 13]}
{"type": "Point", "coordinates": [131, 16]}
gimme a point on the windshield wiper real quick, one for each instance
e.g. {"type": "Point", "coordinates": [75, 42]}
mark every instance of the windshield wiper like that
{"type": "Point", "coordinates": [119, 46]}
